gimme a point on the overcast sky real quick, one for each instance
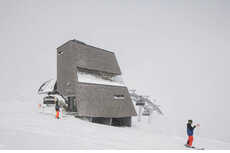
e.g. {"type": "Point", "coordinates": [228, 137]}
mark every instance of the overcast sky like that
{"type": "Point", "coordinates": [177, 51]}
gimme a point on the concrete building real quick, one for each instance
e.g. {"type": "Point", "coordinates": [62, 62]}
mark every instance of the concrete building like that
{"type": "Point", "coordinates": [90, 78]}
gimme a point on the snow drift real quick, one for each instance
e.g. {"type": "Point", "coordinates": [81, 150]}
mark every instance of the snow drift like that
{"type": "Point", "coordinates": [22, 126]}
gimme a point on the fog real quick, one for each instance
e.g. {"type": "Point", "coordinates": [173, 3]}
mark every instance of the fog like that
{"type": "Point", "coordinates": [176, 51]}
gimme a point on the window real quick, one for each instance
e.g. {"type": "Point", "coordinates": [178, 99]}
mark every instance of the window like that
{"type": "Point", "coordinates": [98, 77]}
{"type": "Point", "coordinates": [119, 97]}
{"type": "Point", "coordinates": [60, 52]}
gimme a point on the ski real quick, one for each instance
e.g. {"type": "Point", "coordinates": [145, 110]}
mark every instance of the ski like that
{"type": "Point", "coordinates": [195, 148]}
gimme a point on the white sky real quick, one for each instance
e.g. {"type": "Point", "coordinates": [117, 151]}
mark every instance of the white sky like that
{"type": "Point", "coordinates": [177, 51]}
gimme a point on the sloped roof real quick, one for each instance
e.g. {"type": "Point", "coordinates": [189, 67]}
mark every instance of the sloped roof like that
{"type": "Point", "coordinates": [91, 57]}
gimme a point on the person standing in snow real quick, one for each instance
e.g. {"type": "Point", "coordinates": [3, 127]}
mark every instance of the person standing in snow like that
{"type": "Point", "coordinates": [190, 130]}
{"type": "Point", "coordinates": [57, 108]}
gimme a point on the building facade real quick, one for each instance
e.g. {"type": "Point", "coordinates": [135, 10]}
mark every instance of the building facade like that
{"type": "Point", "coordinates": [92, 78]}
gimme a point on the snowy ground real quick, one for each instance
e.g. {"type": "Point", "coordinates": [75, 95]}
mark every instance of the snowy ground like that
{"type": "Point", "coordinates": [23, 127]}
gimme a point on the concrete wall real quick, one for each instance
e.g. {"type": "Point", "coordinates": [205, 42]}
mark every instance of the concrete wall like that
{"type": "Point", "coordinates": [66, 74]}
{"type": "Point", "coordinates": [93, 58]}
{"type": "Point", "coordinates": [98, 101]}
{"type": "Point", "coordinates": [93, 100]}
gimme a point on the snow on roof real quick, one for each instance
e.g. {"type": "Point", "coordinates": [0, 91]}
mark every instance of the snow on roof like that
{"type": "Point", "coordinates": [115, 80]}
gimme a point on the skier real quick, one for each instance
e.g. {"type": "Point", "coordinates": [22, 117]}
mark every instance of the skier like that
{"type": "Point", "coordinates": [190, 130]}
{"type": "Point", "coordinates": [57, 108]}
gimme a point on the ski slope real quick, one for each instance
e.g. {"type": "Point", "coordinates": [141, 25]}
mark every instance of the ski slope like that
{"type": "Point", "coordinates": [22, 126]}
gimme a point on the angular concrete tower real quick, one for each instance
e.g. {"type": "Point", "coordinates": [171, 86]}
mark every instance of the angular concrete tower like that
{"type": "Point", "coordinates": [90, 77]}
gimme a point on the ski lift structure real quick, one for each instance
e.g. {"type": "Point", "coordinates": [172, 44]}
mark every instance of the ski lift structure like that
{"type": "Point", "coordinates": [145, 105]}
{"type": "Point", "coordinates": [146, 112]}
{"type": "Point", "coordinates": [140, 102]}
{"type": "Point", "coordinates": [48, 90]}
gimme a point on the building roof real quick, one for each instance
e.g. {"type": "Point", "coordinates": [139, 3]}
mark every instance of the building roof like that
{"type": "Point", "coordinates": [80, 42]}
{"type": "Point", "coordinates": [90, 57]}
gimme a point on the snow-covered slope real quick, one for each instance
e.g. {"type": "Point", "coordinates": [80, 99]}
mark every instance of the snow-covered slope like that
{"type": "Point", "coordinates": [22, 126]}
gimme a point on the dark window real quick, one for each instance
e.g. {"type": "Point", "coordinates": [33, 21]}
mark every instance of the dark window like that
{"type": "Point", "coordinates": [60, 52]}
{"type": "Point", "coordinates": [119, 97]}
